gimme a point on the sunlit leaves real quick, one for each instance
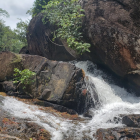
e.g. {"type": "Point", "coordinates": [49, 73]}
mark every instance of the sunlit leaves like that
{"type": "Point", "coordinates": [25, 76]}
{"type": "Point", "coordinates": [67, 15]}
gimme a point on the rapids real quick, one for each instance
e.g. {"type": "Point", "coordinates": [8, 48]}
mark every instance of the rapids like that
{"type": "Point", "coordinates": [113, 101]}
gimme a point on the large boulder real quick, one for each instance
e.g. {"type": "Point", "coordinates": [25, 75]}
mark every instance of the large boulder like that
{"type": "Point", "coordinates": [131, 129]}
{"type": "Point", "coordinates": [39, 37]}
{"type": "Point", "coordinates": [112, 28]}
{"type": "Point", "coordinates": [56, 82]}
{"type": "Point", "coordinates": [118, 133]}
{"type": "Point", "coordinates": [131, 120]}
{"type": "Point", "coordinates": [15, 128]}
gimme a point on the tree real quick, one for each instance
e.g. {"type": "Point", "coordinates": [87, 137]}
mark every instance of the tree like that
{"type": "Point", "coordinates": [9, 40]}
{"type": "Point", "coordinates": [21, 30]}
{"type": "Point", "coordinates": [4, 13]}
{"type": "Point", "coordinates": [12, 40]}
{"type": "Point", "coordinates": [37, 7]}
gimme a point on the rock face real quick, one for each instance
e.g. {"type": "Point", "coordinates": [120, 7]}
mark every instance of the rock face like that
{"type": "Point", "coordinates": [56, 82]}
{"type": "Point", "coordinates": [39, 38]}
{"type": "Point", "coordinates": [130, 131]}
{"type": "Point", "coordinates": [12, 128]}
{"type": "Point", "coordinates": [112, 28]}
{"type": "Point", "coordinates": [55, 106]}
{"type": "Point", "coordinates": [118, 133]}
{"type": "Point", "coordinates": [131, 120]}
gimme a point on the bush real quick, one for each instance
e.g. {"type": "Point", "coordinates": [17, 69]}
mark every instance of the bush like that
{"type": "Point", "coordinates": [24, 77]}
{"type": "Point", "coordinates": [67, 15]}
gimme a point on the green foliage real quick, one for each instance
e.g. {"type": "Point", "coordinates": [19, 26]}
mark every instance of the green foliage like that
{"type": "Point", "coordinates": [67, 15]}
{"type": "Point", "coordinates": [21, 30]}
{"type": "Point", "coordinates": [37, 7]}
{"type": "Point", "coordinates": [4, 13]}
{"type": "Point", "coordinates": [17, 59]}
{"type": "Point", "coordinates": [25, 77]}
{"type": "Point", "coordinates": [13, 40]}
{"type": "Point", "coordinates": [9, 40]}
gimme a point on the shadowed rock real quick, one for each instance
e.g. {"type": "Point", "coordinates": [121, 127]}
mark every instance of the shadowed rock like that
{"type": "Point", "coordinates": [118, 133]}
{"type": "Point", "coordinates": [57, 82]}
{"type": "Point", "coordinates": [112, 28]}
{"type": "Point", "coordinates": [131, 120]}
{"type": "Point", "coordinates": [39, 37]}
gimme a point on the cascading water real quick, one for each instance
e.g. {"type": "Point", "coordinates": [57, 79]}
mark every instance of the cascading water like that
{"type": "Point", "coordinates": [113, 101]}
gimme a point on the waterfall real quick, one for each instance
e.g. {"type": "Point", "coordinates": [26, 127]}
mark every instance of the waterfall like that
{"type": "Point", "coordinates": [112, 101]}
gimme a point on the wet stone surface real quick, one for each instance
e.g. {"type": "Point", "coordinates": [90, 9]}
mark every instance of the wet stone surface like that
{"type": "Point", "coordinates": [118, 134]}
{"type": "Point", "coordinates": [12, 128]}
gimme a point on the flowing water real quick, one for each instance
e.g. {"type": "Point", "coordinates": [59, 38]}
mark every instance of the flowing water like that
{"type": "Point", "coordinates": [113, 101]}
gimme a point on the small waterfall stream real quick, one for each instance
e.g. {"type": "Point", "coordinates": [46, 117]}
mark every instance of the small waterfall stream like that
{"type": "Point", "coordinates": [113, 101]}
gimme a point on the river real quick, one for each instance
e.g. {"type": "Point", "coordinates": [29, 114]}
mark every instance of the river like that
{"type": "Point", "coordinates": [113, 101]}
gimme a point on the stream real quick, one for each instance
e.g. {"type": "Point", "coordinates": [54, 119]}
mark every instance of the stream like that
{"type": "Point", "coordinates": [113, 101]}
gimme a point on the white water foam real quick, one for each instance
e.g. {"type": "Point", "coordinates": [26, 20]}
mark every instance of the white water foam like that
{"type": "Point", "coordinates": [113, 99]}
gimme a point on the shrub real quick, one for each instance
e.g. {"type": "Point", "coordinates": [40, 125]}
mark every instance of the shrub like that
{"type": "Point", "coordinates": [24, 77]}
{"type": "Point", "coordinates": [67, 15]}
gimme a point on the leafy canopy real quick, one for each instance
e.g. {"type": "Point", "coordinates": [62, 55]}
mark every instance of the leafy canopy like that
{"type": "Point", "coordinates": [37, 7]}
{"type": "Point", "coordinates": [12, 40]}
{"type": "Point", "coordinates": [4, 13]}
{"type": "Point", "coordinates": [24, 76]}
{"type": "Point", "coordinates": [21, 30]}
{"type": "Point", "coordinates": [67, 15]}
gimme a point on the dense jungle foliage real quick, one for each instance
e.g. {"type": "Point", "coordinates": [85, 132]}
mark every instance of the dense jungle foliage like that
{"type": "Point", "coordinates": [12, 40]}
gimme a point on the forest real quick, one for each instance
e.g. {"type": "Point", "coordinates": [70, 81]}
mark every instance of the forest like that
{"type": "Point", "coordinates": [12, 40]}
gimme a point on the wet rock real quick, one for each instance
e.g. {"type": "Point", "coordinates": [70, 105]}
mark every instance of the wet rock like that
{"type": "Point", "coordinates": [12, 128]}
{"type": "Point", "coordinates": [11, 93]}
{"type": "Point", "coordinates": [8, 137]}
{"type": "Point", "coordinates": [9, 86]}
{"type": "Point", "coordinates": [112, 28]}
{"type": "Point", "coordinates": [56, 107]}
{"type": "Point", "coordinates": [24, 96]}
{"type": "Point", "coordinates": [1, 87]}
{"type": "Point", "coordinates": [87, 114]}
{"type": "Point", "coordinates": [131, 120]}
{"type": "Point", "coordinates": [118, 133]}
{"type": "Point", "coordinates": [45, 94]}
{"type": "Point", "coordinates": [57, 82]}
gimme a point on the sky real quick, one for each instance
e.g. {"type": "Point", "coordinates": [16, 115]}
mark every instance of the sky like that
{"type": "Point", "coordinates": [16, 9]}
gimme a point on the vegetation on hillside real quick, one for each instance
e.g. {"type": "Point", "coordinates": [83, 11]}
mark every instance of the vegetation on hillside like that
{"type": "Point", "coordinates": [24, 77]}
{"type": "Point", "coordinates": [12, 40]}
